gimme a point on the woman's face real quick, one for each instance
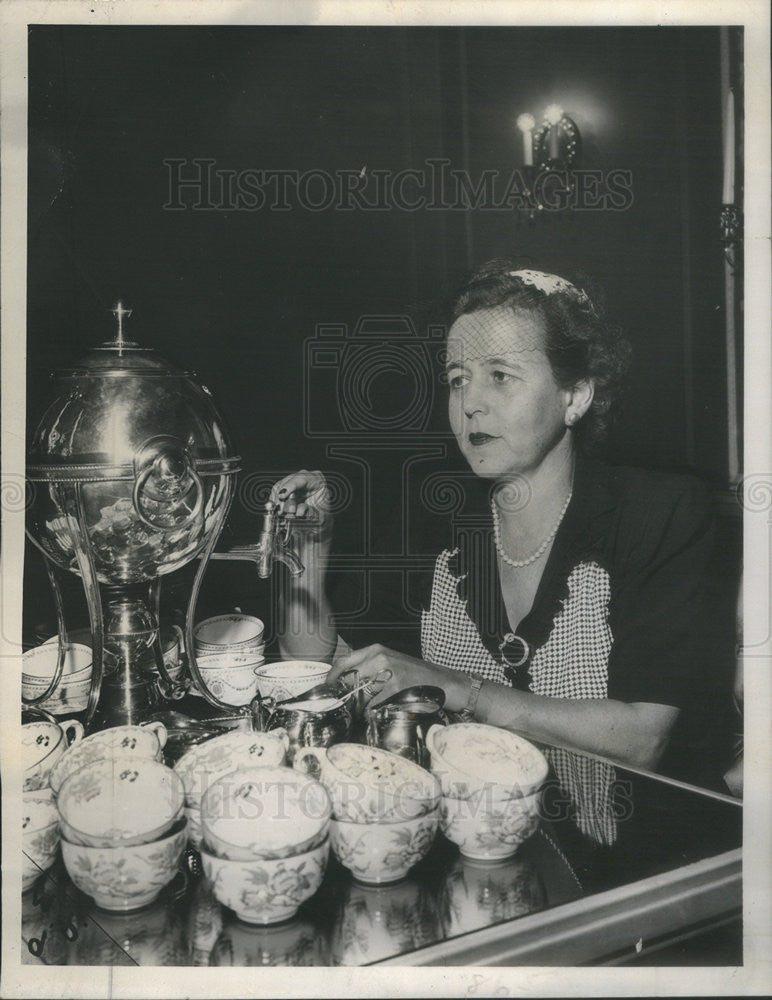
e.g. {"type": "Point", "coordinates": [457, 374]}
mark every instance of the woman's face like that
{"type": "Point", "coordinates": [506, 409]}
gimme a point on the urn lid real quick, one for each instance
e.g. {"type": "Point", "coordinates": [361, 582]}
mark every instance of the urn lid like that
{"type": "Point", "coordinates": [121, 354]}
{"type": "Point", "coordinates": [112, 404]}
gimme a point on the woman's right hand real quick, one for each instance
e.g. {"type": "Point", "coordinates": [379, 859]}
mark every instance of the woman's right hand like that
{"type": "Point", "coordinates": [306, 496]}
{"type": "Point", "coordinates": [306, 629]}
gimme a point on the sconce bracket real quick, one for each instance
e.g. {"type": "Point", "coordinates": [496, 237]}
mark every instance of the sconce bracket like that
{"type": "Point", "coordinates": [559, 151]}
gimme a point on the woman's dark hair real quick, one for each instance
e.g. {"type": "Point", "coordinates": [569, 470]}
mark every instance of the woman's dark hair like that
{"type": "Point", "coordinates": [580, 344]}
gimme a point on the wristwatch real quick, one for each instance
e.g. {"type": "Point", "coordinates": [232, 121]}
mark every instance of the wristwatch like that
{"type": "Point", "coordinates": [467, 715]}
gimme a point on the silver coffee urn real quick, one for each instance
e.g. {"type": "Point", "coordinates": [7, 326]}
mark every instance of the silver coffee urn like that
{"type": "Point", "coordinates": [131, 474]}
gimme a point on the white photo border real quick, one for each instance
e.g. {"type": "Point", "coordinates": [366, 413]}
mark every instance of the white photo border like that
{"type": "Point", "coordinates": [753, 977]}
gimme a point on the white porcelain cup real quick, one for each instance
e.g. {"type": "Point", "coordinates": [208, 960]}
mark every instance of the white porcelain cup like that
{"type": "Point", "coordinates": [39, 664]}
{"type": "Point", "coordinates": [234, 631]}
{"type": "Point", "coordinates": [231, 677]}
{"type": "Point", "coordinates": [127, 877]}
{"type": "Point", "coordinates": [289, 678]}
{"type": "Point", "coordinates": [83, 637]}
{"type": "Point", "coordinates": [72, 691]}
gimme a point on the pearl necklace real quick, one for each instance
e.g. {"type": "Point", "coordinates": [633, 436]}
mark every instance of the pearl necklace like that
{"type": "Point", "coordinates": [518, 563]}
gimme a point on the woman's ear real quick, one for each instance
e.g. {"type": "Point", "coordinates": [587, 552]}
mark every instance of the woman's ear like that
{"type": "Point", "coordinates": [580, 398]}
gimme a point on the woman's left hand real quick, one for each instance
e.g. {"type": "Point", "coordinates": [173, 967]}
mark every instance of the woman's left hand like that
{"type": "Point", "coordinates": [372, 661]}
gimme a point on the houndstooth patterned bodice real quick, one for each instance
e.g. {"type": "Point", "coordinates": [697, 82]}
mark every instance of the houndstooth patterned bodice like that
{"type": "Point", "coordinates": [573, 663]}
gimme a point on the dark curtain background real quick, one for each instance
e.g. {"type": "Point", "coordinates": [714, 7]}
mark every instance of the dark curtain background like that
{"type": "Point", "coordinates": [239, 296]}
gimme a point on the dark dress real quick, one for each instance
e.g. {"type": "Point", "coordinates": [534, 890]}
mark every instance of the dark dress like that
{"type": "Point", "coordinates": [633, 605]}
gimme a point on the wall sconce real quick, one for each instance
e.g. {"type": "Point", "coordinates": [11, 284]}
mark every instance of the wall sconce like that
{"type": "Point", "coordinates": [553, 147]}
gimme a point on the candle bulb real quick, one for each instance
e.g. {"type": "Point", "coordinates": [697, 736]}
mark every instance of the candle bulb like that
{"type": "Point", "coordinates": [528, 148]}
{"type": "Point", "coordinates": [526, 125]}
{"type": "Point", "coordinates": [728, 194]}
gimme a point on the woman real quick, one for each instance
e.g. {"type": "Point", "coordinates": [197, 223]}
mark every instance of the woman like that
{"type": "Point", "coordinates": [599, 574]}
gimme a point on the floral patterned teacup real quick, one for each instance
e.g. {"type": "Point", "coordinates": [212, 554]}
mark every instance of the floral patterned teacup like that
{"type": "Point", "coordinates": [266, 892]}
{"type": "Point", "coordinates": [264, 812]}
{"type": "Point", "coordinates": [40, 834]}
{"type": "Point", "coordinates": [43, 744]}
{"type": "Point", "coordinates": [470, 757]}
{"type": "Point", "coordinates": [205, 763]}
{"type": "Point", "coordinates": [120, 801]}
{"type": "Point", "coordinates": [379, 853]}
{"type": "Point", "coordinates": [125, 878]}
{"type": "Point", "coordinates": [146, 740]}
{"type": "Point", "coordinates": [369, 785]}
{"type": "Point", "coordinates": [83, 637]}
{"type": "Point", "coordinates": [489, 831]}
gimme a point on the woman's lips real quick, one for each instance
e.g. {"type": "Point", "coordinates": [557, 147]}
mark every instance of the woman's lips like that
{"type": "Point", "coordinates": [477, 439]}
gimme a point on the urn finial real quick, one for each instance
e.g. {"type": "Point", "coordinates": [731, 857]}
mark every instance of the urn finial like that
{"type": "Point", "coordinates": [119, 312]}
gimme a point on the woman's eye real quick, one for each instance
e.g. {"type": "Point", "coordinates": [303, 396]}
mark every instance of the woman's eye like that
{"type": "Point", "coordinates": [501, 377]}
{"type": "Point", "coordinates": [456, 381]}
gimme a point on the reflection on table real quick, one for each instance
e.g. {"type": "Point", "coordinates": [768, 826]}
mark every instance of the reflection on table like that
{"type": "Point", "coordinates": [660, 827]}
{"type": "Point", "coordinates": [346, 923]}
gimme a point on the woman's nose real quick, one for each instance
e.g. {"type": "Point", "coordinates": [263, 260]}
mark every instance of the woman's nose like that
{"type": "Point", "coordinates": [474, 401]}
